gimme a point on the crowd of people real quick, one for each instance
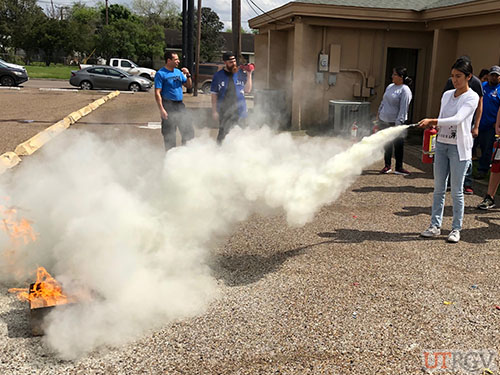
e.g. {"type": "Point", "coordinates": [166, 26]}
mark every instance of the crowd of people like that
{"type": "Point", "coordinates": [469, 120]}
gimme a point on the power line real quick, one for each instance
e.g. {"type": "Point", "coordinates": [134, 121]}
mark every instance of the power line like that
{"type": "Point", "coordinates": [267, 14]}
{"type": "Point", "coordinates": [251, 7]}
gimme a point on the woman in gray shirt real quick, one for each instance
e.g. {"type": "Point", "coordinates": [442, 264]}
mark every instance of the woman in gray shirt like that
{"type": "Point", "coordinates": [394, 111]}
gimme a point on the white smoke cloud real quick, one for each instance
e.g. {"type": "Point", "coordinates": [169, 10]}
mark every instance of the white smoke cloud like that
{"type": "Point", "coordinates": [136, 228]}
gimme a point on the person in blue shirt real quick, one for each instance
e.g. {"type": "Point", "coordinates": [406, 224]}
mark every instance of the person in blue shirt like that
{"type": "Point", "coordinates": [228, 89]}
{"type": "Point", "coordinates": [491, 104]}
{"type": "Point", "coordinates": [168, 94]}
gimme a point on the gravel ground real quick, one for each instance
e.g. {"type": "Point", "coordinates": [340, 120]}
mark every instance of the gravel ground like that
{"type": "Point", "coordinates": [356, 291]}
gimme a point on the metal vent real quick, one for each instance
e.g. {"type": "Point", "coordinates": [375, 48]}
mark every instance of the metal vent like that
{"type": "Point", "coordinates": [343, 113]}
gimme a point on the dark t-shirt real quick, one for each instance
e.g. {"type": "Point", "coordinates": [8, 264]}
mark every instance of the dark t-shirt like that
{"type": "Point", "coordinates": [230, 102]}
{"type": "Point", "coordinates": [474, 84]}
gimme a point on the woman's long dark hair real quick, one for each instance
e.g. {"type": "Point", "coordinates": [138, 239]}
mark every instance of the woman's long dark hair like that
{"type": "Point", "coordinates": [403, 73]}
{"type": "Point", "coordinates": [464, 66]}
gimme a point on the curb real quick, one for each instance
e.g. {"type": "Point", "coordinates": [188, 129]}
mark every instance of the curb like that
{"type": "Point", "coordinates": [11, 159]}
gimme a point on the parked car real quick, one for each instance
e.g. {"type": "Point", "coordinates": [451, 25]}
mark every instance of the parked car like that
{"type": "Point", "coordinates": [12, 74]}
{"type": "Point", "coordinates": [127, 65]}
{"type": "Point", "coordinates": [207, 71]}
{"type": "Point", "coordinates": [106, 77]}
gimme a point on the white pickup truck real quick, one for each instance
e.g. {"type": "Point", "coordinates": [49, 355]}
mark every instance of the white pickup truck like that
{"type": "Point", "coordinates": [128, 66]}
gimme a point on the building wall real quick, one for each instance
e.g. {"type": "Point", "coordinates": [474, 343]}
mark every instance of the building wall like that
{"type": "Point", "coordinates": [362, 50]}
{"type": "Point", "coordinates": [291, 59]}
{"type": "Point", "coordinates": [482, 44]}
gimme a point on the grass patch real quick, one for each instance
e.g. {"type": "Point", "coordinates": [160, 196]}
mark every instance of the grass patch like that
{"type": "Point", "coordinates": [58, 71]}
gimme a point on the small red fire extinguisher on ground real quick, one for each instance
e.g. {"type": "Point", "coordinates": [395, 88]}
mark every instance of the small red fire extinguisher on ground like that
{"type": "Point", "coordinates": [429, 145]}
{"type": "Point", "coordinates": [354, 130]}
{"type": "Point", "coordinates": [375, 128]}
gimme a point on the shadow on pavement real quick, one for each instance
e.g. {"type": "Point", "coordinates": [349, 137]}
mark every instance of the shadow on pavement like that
{"type": "Point", "coordinates": [395, 189]}
{"type": "Point", "coordinates": [358, 236]}
{"type": "Point", "coordinates": [17, 321]}
{"type": "Point", "coordinates": [482, 235]}
{"type": "Point", "coordinates": [238, 270]}
{"type": "Point", "coordinates": [448, 211]}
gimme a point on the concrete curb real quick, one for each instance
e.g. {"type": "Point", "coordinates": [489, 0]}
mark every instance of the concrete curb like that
{"type": "Point", "coordinates": [11, 159]}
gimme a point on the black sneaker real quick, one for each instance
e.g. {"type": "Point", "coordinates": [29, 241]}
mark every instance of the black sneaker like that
{"type": "Point", "coordinates": [385, 170]}
{"type": "Point", "coordinates": [487, 203]}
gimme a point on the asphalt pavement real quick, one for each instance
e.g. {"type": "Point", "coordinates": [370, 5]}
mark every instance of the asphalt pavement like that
{"type": "Point", "coordinates": [354, 291]}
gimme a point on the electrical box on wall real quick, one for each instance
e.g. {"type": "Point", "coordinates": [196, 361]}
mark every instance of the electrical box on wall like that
{"type": "Point", "coordinates": [323, 62]}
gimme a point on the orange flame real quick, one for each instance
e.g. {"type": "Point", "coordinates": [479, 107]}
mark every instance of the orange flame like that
{"type": "Point", "coordinates": [17, 229]}
{"type": "Point", "coordinates": [46, 291]}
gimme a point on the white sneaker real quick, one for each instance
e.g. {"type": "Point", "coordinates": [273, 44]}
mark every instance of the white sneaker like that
{"type": "Point", "coordinates": [454, 236]}
{"type": "Point", "coordinates": [431, 232]}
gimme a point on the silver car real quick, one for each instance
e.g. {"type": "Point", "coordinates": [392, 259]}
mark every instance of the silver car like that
{"type": "Point", "coordinates": [105, 77]}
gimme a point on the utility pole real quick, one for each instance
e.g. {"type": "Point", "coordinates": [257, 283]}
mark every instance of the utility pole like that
{"type": "Point", "coordinates": [184, 31]}
{"type": "Point", "coordinates": [107, 12]}
{"type": "Point", "coordinates": [198, 43]}
{"type": "Point", "coordinates": [53, 10]}
{"type": "Point", "coordinates": [236, 20]}
{"type": "Point", "coordinates": [190, 39]}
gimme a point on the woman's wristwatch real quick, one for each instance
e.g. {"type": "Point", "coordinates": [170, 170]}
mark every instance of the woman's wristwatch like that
{"type": "Point", "coordinates": [188, 75]}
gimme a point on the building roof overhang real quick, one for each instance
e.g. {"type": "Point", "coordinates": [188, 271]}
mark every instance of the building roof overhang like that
{"type": "Point", "coordinates": [284, 17]}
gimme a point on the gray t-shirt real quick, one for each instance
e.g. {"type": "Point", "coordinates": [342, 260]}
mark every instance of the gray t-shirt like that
{"type": "Point", "coordinates": [395, 103]}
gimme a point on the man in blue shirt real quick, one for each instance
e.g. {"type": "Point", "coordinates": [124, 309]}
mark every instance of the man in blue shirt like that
{"type": "Point", "coordinates": [228, 89]}
{"type": "Point", "coordinates": [168, 94]}
{"type": "Point", "coordinates": [491, 104]}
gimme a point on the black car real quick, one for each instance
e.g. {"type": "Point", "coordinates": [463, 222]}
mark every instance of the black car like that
{"type": "Point", "coordinates": [106, 77]}
{"type": "Point", "coordinates": [11, 74]}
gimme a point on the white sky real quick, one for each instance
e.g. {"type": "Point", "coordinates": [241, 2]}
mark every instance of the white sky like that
{"type": "Point", "coordinates": [221, 7]}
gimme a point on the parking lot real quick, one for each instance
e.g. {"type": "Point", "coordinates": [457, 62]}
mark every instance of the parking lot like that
{"type": "Point", "coordinates": [354, 291]}
{"type": "Point", "coordinates": [40, 103]}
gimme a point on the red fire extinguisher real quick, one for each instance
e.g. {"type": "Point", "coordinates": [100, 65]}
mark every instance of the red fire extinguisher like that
{"type": "Point", "coordinates": [495, 158]}
{"type": "Point", "coordinates": [375, 128]}
{"type": "Point", "coordinates": [429, 145]}
{"type": "Point", "coordinates": [354, 130]}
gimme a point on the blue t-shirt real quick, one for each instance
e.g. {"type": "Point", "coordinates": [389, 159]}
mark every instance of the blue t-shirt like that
{"type": "Point", "coordinates": [491, 103]}
{"type": "Point", "coordinates": [170, 83]}
{"type": "Point", "coordinates": [219, 87]}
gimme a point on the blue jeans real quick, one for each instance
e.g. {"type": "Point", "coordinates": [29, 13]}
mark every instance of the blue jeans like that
{"type": "Point", "coordinates": [485, 139]}
{"type": "Point", "coordinates": [446, 161]}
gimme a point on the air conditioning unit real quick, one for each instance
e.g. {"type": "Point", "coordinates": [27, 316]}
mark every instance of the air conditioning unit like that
{"type": "Point", "coordinates": [342, 114]}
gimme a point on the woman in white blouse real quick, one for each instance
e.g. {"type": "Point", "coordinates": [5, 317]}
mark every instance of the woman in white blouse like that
{"type": "Point", "coordinates": [453, 148]}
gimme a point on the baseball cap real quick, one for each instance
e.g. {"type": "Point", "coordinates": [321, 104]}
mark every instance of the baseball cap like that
{"type": "Point", "coordinates": [495, 69]}
{"type": "Point", "coordinates": [228, 56]}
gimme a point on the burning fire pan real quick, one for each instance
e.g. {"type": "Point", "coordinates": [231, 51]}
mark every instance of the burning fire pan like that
{"type": "Point", "coordinates": [39, 309]}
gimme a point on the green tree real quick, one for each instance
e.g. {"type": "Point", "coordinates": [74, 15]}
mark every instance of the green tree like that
{"type": "Point", "coordinates": [158, 12]}
{"type": "Point", "coordinates": [83, 23]}
{"type": "Point", "coordinates": [127, 36]}
{"type": "Point", "coordinates": [51, 36]}
{"type": "Point", "coordinates": [17, 18]}
{"type": "Point", "coordinates": [211, 39]}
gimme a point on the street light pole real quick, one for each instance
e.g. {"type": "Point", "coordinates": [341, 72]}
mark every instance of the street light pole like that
{"type": "Point", "coordinates": [236, 21]}
{"type": "Point", "coordinates": [198, 43]}
{"type": "Point", "coordinates": [107, 12]}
